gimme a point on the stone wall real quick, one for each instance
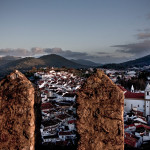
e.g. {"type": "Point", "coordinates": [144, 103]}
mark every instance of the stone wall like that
{"type": "Point", "coordinates": [100, 114]}
{"type": "Point", "coordinates": [17, 121]}
{"type": "Point", "coordinates": [99, 122]}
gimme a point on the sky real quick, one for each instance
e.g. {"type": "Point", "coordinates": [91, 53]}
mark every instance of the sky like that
{"type": "Point", "coordinates": [104, 31]}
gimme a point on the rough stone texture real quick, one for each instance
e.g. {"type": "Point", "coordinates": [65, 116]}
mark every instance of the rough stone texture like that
{"type": "Point", "coordinates": [100, 112]}
{"type": "Point", "coordinates": [38, 118]}
{"type": "Point", "coordinates": [17, 121]}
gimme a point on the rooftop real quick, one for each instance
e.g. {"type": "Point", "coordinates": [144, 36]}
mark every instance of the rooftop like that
{"type": "Point", "coordinates": [122, 88]}
{"type": "Point", "coordinates": [46, 106]}
{"type": "Point", "coordinates": [129, 94]}
{"type": "Point", "coordinates": [63, 116]}
{"type": "Point", "coordinates": [50, 122]}
{"type": "Point", "coordinates": [65, 133]}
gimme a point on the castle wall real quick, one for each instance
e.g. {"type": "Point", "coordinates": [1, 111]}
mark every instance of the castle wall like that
{"type": "Point", "coordinates": [100, 114]}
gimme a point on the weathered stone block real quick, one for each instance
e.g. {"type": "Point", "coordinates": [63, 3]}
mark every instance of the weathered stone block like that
{"type": "Point", "coordinates": [100, 112]}
{"type": "Point", "coordinates": [16, 113]}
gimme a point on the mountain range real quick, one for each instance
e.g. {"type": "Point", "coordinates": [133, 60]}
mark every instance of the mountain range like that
{"type": "Point", "coordinates": [85, 62]}
{"type": "Point", "coordinates": [6, 59]}
{"type": "Point", "coordinates": [140, 62]}
{"type": "Point", "coordinates": [10, 63]}
{"type": "Point", "coordinates": [24, 64]}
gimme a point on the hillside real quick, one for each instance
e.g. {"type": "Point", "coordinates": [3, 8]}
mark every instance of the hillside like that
{"type": "Point", "coordinates": [140, 62]}
{"type": "Point", "coordinates": [59, 61]}
{"type": "Point", "coordinates": [7, 59]}
{"type": "Point", "coordinates": [21, 64]}
{"type": "Point", "coordinates": [28, 63]}
{"type": "Point", "coordinates": [85, 62]}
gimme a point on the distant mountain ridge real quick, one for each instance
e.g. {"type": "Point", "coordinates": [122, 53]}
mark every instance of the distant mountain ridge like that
{"type": "Point", "coordinates": [7, 59]}
{"type": "Point", "coordinates": [140, 62]}
{"type": "Point", "coordinates": [59, 61]}
{"type": "Point", "coordinates": [10, 63]}
{"type": "Point", "coordinates": [28, 63]}
{"type": "Point", "coordinates": [85, 62]}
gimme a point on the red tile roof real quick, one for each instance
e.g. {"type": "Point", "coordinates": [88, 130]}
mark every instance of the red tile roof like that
{"type": "Point", "coordinates": [129, 94]}
{"type": "Point", "coordinates": [127, 126]}
{"type": "Point", "coordinates": [134, 95]}
{"type": "Point", "coordinates": [130, 139]}
{"type": "Point", "coordinates": [144, 126]}
{"type": "Point", "coordinates": [46, 106]}
{"type": "Point", "coordinates": [69, 95]}
{"type": "Point", "coordinates": [63, 116]}
{"type": "Point", "coordinates": [71, 121]}
{"type": "Point", "coordinates": [122, 88]}
{"type": "Point", "coordinates": [65, 133]}
{"type": "Point", "coordinates": [138, 113]}
{"type": "Point", "coordinates": [138, 126]}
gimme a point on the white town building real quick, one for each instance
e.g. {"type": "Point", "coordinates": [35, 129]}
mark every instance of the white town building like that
{"type": "Point", "coordinates": [137, 101]}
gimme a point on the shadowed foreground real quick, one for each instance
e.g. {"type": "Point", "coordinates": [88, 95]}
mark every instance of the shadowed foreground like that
{"type": "Point", "coordinates": [16, 113]}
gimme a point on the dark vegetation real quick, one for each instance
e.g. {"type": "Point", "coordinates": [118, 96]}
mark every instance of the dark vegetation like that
{"type": "Point", "coordinates": [85, 62]}
{"type": "Point", "coordinates": [28, 63]}
{"type": "Point", "coordinates": [7, 59]}
{"type": "Point", "coordinates": [10, 63]}
{"type": "Point", "coordinates": [140, 62]}
{"type": "Point", "coordinates": [138, 82]}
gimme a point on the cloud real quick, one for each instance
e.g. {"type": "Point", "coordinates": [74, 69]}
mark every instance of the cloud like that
{"type": "Point", "coordinates": [53, 50]}
{"type": "Point", "coordinates": [20, 52]}
{"type": "Point", "coordinates": [99, 57]}
{"type": "Point", "coordinates": [36, 51]}
{"type": "Point", "coordinates": [68, 53]}
{"type": "Point", "coordinates": [15, 52]}
{"type": "Point", "coordinates": [143, 35]}
{"type": "Point", "coordinates": [102, 53]}
{"type": "Point", "coordinates": [137, 49]}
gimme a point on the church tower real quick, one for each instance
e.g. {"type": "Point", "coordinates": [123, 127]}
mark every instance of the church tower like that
{"type": "Point", "coordinates": [147, 100]}
{"type": "Point", "coordinates": [147, 91]}
{"type": "Point", "coordinates": [132, 89]}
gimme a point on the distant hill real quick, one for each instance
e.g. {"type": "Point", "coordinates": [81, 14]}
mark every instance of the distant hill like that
{"type": "Point", "coordinates": [10, 63]}
{"type": "Point", "coordinates": [7, 59]}
{"type": "Point", "coordinates": [140, 62]}
{"type": "Point", "coordinates": [59, 61]}
{"type": "Point", "coordinates": [28, 63]}
{"type": "Point", "coordinates": [85, 62]}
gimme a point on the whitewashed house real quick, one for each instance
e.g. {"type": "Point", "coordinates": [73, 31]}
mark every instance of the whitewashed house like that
{"type": "Point", "coordinates": [64, 135]}
{"type": "Point", "coordinates": [138, 101]}
{"type": "Point", "coordinates": [71, 125]}
{"type": "Point", "coordinates": [69, 96]}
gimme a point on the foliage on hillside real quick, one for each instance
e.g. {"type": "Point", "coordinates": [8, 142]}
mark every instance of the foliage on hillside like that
{"type": "Point", "coordinates": [28, 63]}
{"type": "Point", "coordinates": [138, 82]}
{"type": "Point", "coordinates": [140, 62]}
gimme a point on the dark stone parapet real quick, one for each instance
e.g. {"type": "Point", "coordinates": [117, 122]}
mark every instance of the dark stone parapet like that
{"type": "Point", "coordinates": [17, 119]}
{"type": "Point", "coordinates": [100, 114]}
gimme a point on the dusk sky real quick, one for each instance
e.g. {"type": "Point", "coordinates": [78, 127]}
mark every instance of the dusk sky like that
{"type": "Point", "coordinates": [103, 31]}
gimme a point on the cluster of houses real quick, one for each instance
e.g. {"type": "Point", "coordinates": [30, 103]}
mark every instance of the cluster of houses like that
{"type": "Point", "coordinates": [58, 108]}
{"type": "Point", "coordinates": [136, 117]}
{"type": "Point", "coordinates": [115, 74]}
{"type": "Point", "coordinates": [136, 110]}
